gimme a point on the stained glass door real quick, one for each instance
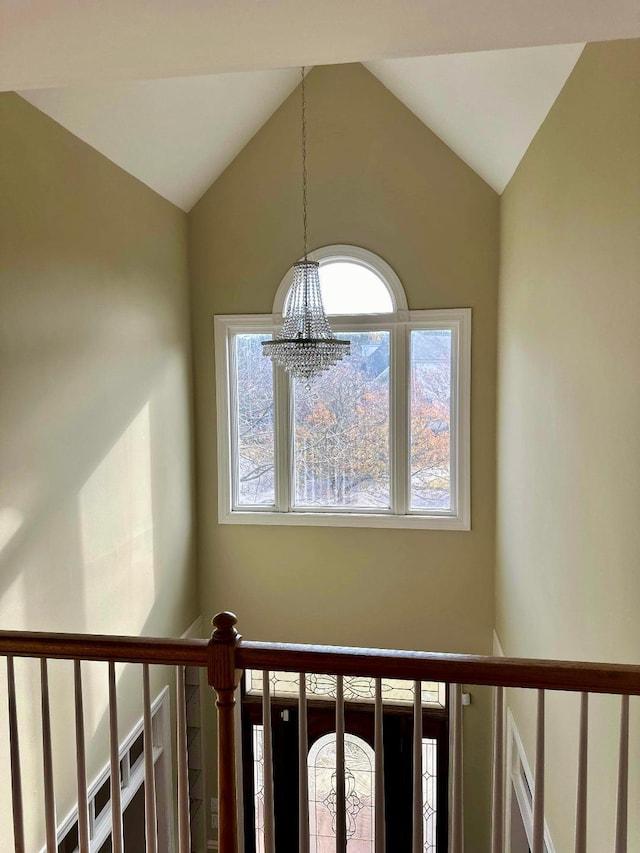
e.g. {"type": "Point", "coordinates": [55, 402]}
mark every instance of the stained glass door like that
{"type": "Point", "coordinates": [359, 759]}
{"type": "Point", "coordinates": [359, 777]}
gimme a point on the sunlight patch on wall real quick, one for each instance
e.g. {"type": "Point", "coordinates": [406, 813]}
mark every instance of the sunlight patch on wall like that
{"type": "Point", "coordinates": [13, 605]}
{"type": "Point", "coordinates": [11, 520]}
{"type": "Point", "coordinates": [116, 516]}
{"type": "Point", "coordinates": [116, 520]}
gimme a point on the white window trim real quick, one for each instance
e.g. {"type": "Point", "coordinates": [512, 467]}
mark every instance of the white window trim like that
{"type": "Point", "coordinates": [399, 324]}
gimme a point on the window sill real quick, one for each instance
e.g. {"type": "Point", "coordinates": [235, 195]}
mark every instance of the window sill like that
{"type": "Point", "coordinates": [327, 519]}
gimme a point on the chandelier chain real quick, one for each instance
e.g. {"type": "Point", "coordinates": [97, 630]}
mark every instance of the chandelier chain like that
{"type": "Point", "coordinates": [305, 346]}
{"type": "Point", "coordinates": [304, 165]}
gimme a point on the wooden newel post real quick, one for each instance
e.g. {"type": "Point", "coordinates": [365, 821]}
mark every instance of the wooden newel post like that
{"type": "Point", "coordinates": [224, 678]}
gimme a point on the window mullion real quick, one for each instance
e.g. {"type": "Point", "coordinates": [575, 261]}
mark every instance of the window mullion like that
{"type": "Point", "coordinates": [400, 419]}
{"type": "Point", "coordinates": [283, 448]}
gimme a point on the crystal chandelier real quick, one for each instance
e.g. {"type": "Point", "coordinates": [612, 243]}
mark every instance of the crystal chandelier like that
{"type": "Point", "coordinates": [305, 346]}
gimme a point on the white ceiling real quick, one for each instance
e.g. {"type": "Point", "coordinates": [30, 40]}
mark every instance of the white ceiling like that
{"type": "Point", "coordinates": [174, 135]}
{"type": "Point", "coordinates": [177, 135]}
{"type": "Point", "coordinates": [156, 85]}
{"type": "Point", "coordinates": [75, 42]}
{"type": "Point", "coordinates": [486, 106]}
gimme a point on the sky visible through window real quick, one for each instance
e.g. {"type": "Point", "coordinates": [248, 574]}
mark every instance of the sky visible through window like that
{"type": "Point", "coordinates": [351, 288]}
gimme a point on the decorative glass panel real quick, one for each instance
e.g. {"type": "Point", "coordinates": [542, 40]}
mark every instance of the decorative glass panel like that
{"type": "Point", "coordinates": [254, 423]}
{"type": "Point", "coordinates": [429, 792]}
{"type": "Point", "coordinates": [395, 691]}
{"type": "Point", "coordinates": [359, 762]}
{"type": "Point", "coordinates": [341, 430]}
{"type": "Point", "coordinates": [258, 786]}
{"type": "Point", "coordinates": [431, 419]}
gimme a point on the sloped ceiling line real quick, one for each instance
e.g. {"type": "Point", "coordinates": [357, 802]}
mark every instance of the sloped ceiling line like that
{"type": "Point", "coordinates": [177, 135]}
{"type": "Point", "coordinates": [74, 42]}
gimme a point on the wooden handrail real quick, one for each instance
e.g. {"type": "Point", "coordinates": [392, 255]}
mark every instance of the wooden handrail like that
{"type": "Point", "coordinates": [225, 655]}
{"type": "Point", "coordinates": [335, 660]}
{"type": "Point", "coordinates": [104, 647]}
{"type": "Point", "coordinates": [432, 666]}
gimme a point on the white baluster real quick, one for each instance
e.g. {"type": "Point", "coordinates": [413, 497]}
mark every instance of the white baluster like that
{"type": "Point", "coordinates": [184, 818]}
{"type": "Point", "coordinates": [114, 751]}
{"type": "Point", "coordinates": [538, 792]}
{"type": "Point", "coordinates": [269, 820]}
{"type": "Point", "coordinates": [47, 763]}
{"type": "Point", "coordinates": [303, 771]}
{"type": "Point", "coordinates": [151, 821]}
{"type": "Point", "coordinates": [380, 840]}
{"type": "Point", "coordinates": [418, 829]}
{"type": "Point", "coordinates": [457, 817]}
{"type": "Point", "coordinates": [341, 803]}
{"type": "Point", "coordinates": [16, 772]}
{"type": "Point", "coordinates": [623, 778]}
{"type": "Point", "coordinates": [239, 765]}
{"type": "Point", "coordinates": [581, 798]}
{"type": "Point", "coordinates": [81, 762]}
{"type": "Point", "coordinates": [497, 815]}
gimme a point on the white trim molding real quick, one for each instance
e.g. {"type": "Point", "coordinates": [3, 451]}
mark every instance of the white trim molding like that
{"type": "Point", "coordinates": [194, 631]}
{"type": "Point", "coordinates": [520, 784]}
{"type": "Point", "coordinates": [132, 780]}
{"type": "Point", "coordinates": [498, 650]}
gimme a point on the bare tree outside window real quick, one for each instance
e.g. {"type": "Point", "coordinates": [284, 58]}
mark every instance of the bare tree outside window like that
{"type": "Point", "coordinates": [431, 419]}
{"type": "Point", "coordinates": [341, 456]}
{"type": "Point", "coordinates": [255, 430]}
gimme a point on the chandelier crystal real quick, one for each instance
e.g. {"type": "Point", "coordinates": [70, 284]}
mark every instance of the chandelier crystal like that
{"type": "Point", "coordinates": [305, 346]}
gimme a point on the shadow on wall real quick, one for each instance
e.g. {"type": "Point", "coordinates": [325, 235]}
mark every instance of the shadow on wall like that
{"type": "Point", "coordinates": [91, 553]}
{"type": "Point", "coordinates": [95, 446]}
{"type": "Point", "coordinates": [77, 521]}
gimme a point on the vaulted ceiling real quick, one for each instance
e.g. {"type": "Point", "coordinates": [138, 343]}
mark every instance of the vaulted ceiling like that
{"type": "Point", "coordinates": [178, 134]}
{"type": "Point", "coordinates": [486, 106]}
{"type": "Point", "coordinates": [172, 90]}
{"type": "Point", "coordinates": [73, 42]}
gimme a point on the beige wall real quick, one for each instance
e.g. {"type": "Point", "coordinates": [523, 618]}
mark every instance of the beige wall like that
{"type": "Point", "coordinates": [381, 180]}
{"type": "Point", "coordinates": [95, 447]}
{"type": "Point", "coordinates": [568, 541]}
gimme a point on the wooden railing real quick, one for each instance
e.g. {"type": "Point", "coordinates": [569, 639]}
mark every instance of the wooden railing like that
{"type": "Point", "coordinates": [111, 649]}
{"type": "Point", "coordinates": [226, 655]}
{"type": "Point", "coordinates": [236, 654]}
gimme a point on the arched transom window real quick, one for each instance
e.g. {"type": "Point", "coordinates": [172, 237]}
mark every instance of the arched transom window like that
{"type": "Point", "coordinates": [351, 288]}
{"type": "Point", "coordinates": [353, 281]}
{"type": "Point", "coordinates": [381, 439]}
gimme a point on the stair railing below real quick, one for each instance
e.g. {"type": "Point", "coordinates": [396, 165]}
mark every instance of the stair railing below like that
{"type": "Point", "coordinates": [146, 651]}
{"type": "Point", "coordinates": [226, 655]}
{"type": "Point", "coordinates": [231, 655]}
